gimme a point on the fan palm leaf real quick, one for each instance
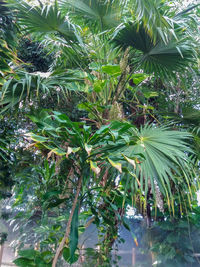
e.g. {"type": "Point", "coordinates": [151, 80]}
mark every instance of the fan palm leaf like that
{"type": "Point", "coordinates": [103, 14]}
{"type": "Point", "coordinates": [158, 58]}
{"type": "Point", "coordinates": [166, 160]}
{"type": "Point", "coordinates": [44, 19]}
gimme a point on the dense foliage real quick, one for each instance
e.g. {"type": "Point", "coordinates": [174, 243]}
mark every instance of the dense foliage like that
{"type": "Point", "coordinates": [100, 112]}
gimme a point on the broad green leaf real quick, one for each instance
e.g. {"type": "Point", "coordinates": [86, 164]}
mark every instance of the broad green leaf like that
{"type": "Point", "coordinates": [24, 262]}
{"type": "Point", "coordinates": [113, 70]}
{"type": "Point", "coordinates": [39, 262]}
{"type": "Point", "coordinates": [74, 234]}
{"type": "Point", "coordinates": [37, 138]}
{"type": "Point", "coordinates": [139, 77]}
{"type": "Point", "coordinates": [28, 253]}
{"type": "Point", "coordinates": [67, 256]}
{"type": "Point", "coordinates": [99, 85]}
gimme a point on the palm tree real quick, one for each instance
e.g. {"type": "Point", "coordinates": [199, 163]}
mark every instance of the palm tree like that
{"type": "Point", "coordinates": [145, 41]}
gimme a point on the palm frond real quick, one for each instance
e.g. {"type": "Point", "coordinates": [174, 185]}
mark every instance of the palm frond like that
{"type": "Point", "coordinates": [159, 58]}
{"type": "Point", "coordinates": [31, 85]}
{"type": "Point", "coordinates": [4, 151]}
{"type": "Point", "coordinates": [166, 159]}
{"type": "Point", "coordinates": [67, 56]}
{"type": "Point", "coordinates": [187, 10]}
{"type": "Point", "coordinates": [3, 9]}
{"type": "Point", "coordinates": [103, 14]}
{"type": "Point", "coordinates": [44, 19]}
{"type": "Point", "coordinates": [151, 14]}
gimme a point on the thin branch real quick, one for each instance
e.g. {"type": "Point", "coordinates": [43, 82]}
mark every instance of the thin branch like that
{"type": "Point", "coordinates": [89, 222]}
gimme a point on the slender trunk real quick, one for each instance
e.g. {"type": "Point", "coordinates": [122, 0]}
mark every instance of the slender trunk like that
{"type": "Point", "coordinates": [68, 228]}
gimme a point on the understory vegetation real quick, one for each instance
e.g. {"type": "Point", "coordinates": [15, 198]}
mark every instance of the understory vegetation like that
{"type": "Point", "coordinates": [99, 115]}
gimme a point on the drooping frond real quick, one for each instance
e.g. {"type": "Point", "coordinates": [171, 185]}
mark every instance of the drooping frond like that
{"type": "Point", "coordinates": [154, 21]}
{"type": "Point", "coordinates": [30, 85]}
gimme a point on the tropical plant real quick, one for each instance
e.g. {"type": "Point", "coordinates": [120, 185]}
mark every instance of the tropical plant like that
{"type": "Point", "coordinates": [95, 159]}
{"type": "Point", "coordinates": [119, 153]}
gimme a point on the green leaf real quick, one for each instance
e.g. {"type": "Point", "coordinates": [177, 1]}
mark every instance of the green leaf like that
{"type": "Point", "coordinates": [113, 70]}
{"type": "Point", "coordinates": [47, 256]}
{"type": "Point", "coordinates": [37, 138]}
{"type": "Point", "coordinates": [23, 262]}
{"type": "Point", "coordinates": [99, 85]}
{"type": "Point", "coordinates": [149, 94]}
{"type": "Point", "coordinates": [139, 77]}
{"type": "Point", "coordinates": [28, 253]}
{"type": "Point", "coordinates": [51, 194]}
{"type": "Point", "coordinates": [74, 234]}
{"type": "Point", "coordinates": [67, 256]}
{"type": "Point", "coordinates": [54, 202]}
